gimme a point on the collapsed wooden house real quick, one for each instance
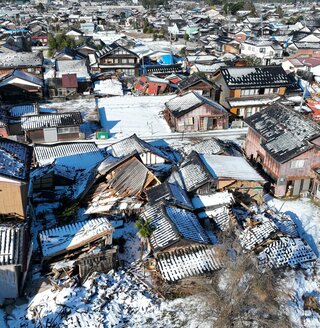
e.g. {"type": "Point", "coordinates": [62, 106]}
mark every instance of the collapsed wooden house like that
{"type": "Point", "coordinates": [275, 239]}
{"type": "Point", "coordinates": [181, 246]}
{"type": "Point", "coordinates": [119, 186]}
{"type": "Point", "coordinates": [149, 154]}
{"type": "Point", "coordinates": [215, 207]}
{"type": "Point", "coordinates": [82, 244]}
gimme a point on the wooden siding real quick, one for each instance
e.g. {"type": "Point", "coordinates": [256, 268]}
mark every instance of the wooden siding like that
{"type": "Point", "coordinates": [281, 172]}
{"type": "Point", "coordinates": [198, 115]}
{"type": "Point", "coordinates": [13, 198]}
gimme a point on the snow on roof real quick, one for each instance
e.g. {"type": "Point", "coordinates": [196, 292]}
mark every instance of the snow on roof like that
{"type": "Point", "coordinates": [213, 200]}
{"type": "Point", "coordinates": [171, 192]}
{"type": "Point", "coordinates": [232, 167]}
{"type": "Point", "coordinates": [77, 154]}
{"type": "Point", "coordinates": [72, 236]}
{"type": "Point", "coordinates": [252, 237]}
{"type": "Point", "coordinates": [34, 122]}
{"type": "Point", "coordinates": [285, 132]}
{"type": "Point", "coordinates": [210, 146]}
{"type": "Point", "coordinates": [253, 101]}
{"type": "Point", "coordinates": [171, 224]}
{"type": "Point", "coordinates": [133, 143]}
{"type": "Point", "coordinates": [260, 76]}
{"type": "Point", "coordinates": [190, 100]}
{"type": "Point", "coordinates": [127, 115]}
{"type": "Point", "coordinates": [187, 262]}
{"type": "Point", "coordinates": [286, 251]}
{"type": "Point", "coordinates": [108, 87]}
{"type": "Point", "coordinates": [15, 159]}
{"type": "Point", "coordinates": [192, 173]}
{"type": "Point", "coordinates": [78, 67]}
{"type": "Point", "coordinates": [12, 244]}
{"type": "Point", "coordinates": [21, 59]}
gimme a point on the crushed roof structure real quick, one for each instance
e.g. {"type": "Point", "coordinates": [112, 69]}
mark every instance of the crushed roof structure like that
{"type": "Point", "coordinates": [171, 193]}
{"type": "Point", "coordinates": [186, 102]}
{"type": "Point", "coordinates": [12, 244]}
{"type": "Point", "coordinates": [68, 153]}
{"type": "Point", "coordinates": [134, 143]}
{"type": "Point", "coordinates": [252, 237]}
{"type": "Point", "coordinates": [285, 133]}
{"type": "Point", "coordinates": [34, 122]}
{"type": "Point", "coordinates": [172, 225]}
{"type": "Point", "coordinates": [216, 207]}
{"type": "Point", "coordinates": [286, 251]}
{"type": "Point", "coordinates": [15, 159]}
{"type": "Point", "coordinates": [209, 146]}
{"type": "Point", "coordinates": [192, 173]}
{"type": "Point", "coordinates": [59, 240]}
{"type": "Point", "coordinates": [255, 77]}
{"type": "Point", "coordinates": [186, 262]}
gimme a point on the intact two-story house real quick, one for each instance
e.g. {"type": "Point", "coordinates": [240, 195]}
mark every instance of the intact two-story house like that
{"type": "Point", "coordinates": [268, 51]}
{"type": "Point", "coordinates": [115, 59]}
{"type": "Point", "coordinates": [287, 146]}
{"type": "Point", "coordinates": [246, 90]}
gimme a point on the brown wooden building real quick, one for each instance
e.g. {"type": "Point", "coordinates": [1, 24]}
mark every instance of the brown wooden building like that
{"type": "Point", "coordinates": [15, 159]}
{"type": "Point", "coordinates": [191, 112]}
{"type": "Point", "coordinates": [52, 127]}
{"type": "Point", "coordinates": [287, 147]}
{"type": "Point", "coordinates": [115, 59]}
{"type": "Point", "coordinates": [246, 90]}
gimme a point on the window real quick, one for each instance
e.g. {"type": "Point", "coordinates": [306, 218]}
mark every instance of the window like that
{"type": "Point", "coordinates": [297, 164]}
{"type": "Point", "coordinates": [131, 60]}
{"type": "Point", "coordinates": [70, 129]}
{"type": "Point", "coordinates": [189, 121]}
{"type": "Point", "coordinates": [262, 50]}
{"type": "Point", "coordinates": [109, 61]}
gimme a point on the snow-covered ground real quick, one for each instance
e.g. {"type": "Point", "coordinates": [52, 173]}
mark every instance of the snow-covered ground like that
{"type": "Point", "coordinates": [297, 283]}
{"type": "Point", "coordinates": [123, 116]}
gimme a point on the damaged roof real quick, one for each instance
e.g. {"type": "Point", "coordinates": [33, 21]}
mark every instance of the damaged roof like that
{"type": "Point", "coordinates": [15, 159]}
{"type": "Point", "coordinates": [255, 77]}
{"type": "Point", "coordinates": [285, 133]}
{"type": "Point", "coordinates": [192, 173]}
{"type": "Point", "coordinates": [171, 192]}
{"type": "Point", "coordinates": [75, 154]}
{"type": "Point", "coordinates": [72, 236]}
{"type": "Point", "coordinates": [187, 262]}
{"type": "Point", "coordinates": [134, 143]}
{"type": "Point", "coordinates": [172, 224]}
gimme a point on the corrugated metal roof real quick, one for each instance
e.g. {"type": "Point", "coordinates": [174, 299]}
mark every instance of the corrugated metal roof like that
{"type": "Point", "coordinates": [36, 122]}
{"type": "Point", "coordinates": [12, 239]}
{"type": "Point", "coordinates": [46, 154]}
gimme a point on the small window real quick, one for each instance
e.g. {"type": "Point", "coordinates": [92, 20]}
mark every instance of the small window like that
{"type": "Point", "coordinates": [262, 50]}
{"type": "Point", "coordinates": [189, 121]}
{"type": "Point", "coordinates": [297, 164]}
